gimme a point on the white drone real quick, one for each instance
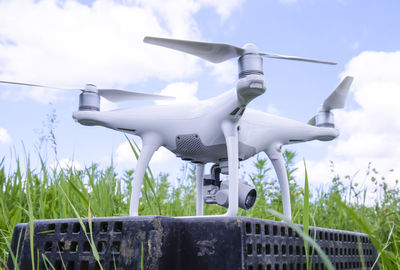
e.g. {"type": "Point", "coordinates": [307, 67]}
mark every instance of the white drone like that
{"type": "Point", "coordinates": [219, 130]}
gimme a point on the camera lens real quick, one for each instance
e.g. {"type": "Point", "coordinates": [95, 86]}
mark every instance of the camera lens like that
{"type": "Point", "coordinates": [250, 199]}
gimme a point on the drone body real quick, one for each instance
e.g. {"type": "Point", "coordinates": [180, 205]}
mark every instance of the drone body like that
{"type": "Point", "coordinates": [198, 132]}
{"type": "Point", "coordinates": [220, 130]}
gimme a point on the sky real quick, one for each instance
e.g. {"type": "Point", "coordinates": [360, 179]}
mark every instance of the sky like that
{"type": "Point", "coordinates": [71, 43]}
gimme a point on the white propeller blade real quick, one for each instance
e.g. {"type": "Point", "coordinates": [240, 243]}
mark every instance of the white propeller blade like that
{"type": "Point", "coordinates": [34, 85]}
{"type": "Point", "coordinates": [218, 52]}
{"type": "Point", "coordinates": [337, 99]}
{"type": "Point", "coordinates": [213, 52]}
{"type": "Point", "coordinates": [116, 95]}
{"type": "Point", "coordinates": [296, 58]}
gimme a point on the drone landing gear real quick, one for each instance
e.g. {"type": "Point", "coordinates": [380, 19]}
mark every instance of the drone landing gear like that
{"type": "Point", "coordinates": [232, 193]}
{"type": "Point", "coordinates": [275, 155]}
{"type": "Point", "coordinates": [151, 142]}
{"type": "Point", "coordinates": [199, 186]}
{"type": "Point", "coordinates": [231, 137]}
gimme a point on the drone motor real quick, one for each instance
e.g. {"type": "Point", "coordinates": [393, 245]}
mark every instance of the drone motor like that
{"type": "Point", "coordinates": [89, 99]}
{"type": "Point", "coordinates": [336, 100]}
{"type": "Point", "coordinates": [325, 119]}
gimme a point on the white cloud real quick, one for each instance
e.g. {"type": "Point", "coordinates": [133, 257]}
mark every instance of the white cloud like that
{"type": "Point", "coordinates": [288, 1]}
{"type": "Point", "coordinates": [272, 109]}
{"type": "Point", "coordinates": [124, 154]}
{"type": "Point", "coordinates": [172, 10]}
{"type": "Point", "coordinates": [80, 45]}
{"type": "Point", "coordinates": [371, 132]}
{"type": "Point", "coordinates": [176, 15]}
{"type": "Point", "coordinates": [163, 156]}
{"type": "Point", "coordinates": [184, 93]}
{"type": "Point", "coordinates": [41, 95]}
{"type": "Point", "coordinates": [163, 161]}
{"type": "Point", "coordinates": [4, 136]}
{"type": "Point", "coordinates": [226, 72]}
{"type": "Point", "coordinates": [66, 164]}
{"type": "Point", "coordinates": [223, 8]}
{"type": "Point", "coordinates": [71, 44]}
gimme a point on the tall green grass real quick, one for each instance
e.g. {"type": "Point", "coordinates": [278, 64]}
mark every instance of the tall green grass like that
{"type": "Point", "coordinates": [46, 193]}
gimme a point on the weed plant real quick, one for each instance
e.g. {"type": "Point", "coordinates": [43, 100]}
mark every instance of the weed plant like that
{"type": "Point", "coordinates": [47, 193]}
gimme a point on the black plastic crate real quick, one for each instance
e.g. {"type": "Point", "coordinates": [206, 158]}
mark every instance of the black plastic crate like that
{"type": "Point", "coordinates": [185, 243]}
{"type": "Point", "coordinates": [273, 245]}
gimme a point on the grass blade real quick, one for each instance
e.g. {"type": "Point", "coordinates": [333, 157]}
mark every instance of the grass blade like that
{"type": "Point", "coordinates": [47, 262]}
{"type": "Point", "coordinates": [388, 257]}
{"type": "Point", "coordinates": [306, 215]}
{"type": "Point", "coordinates": [91, 241]}
{"type": "Point", "coordinates": [13, 256]}
{"type": "Point", "coordinates": [305, 236]}
{"type": "Point", "coordinates": [141, 257]}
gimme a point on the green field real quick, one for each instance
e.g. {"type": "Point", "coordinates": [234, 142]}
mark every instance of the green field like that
{"type": "Point", "coordinates": [44, 193]}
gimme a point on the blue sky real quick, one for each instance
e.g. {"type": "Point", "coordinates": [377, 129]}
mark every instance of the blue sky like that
{"type": "Point", "coordinates": [71, 43]}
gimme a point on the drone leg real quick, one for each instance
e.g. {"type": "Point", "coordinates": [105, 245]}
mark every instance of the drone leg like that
{"type": "Point", "coordinates": [276, 158]}
{"type": "Point", "coordinates": [199, 180]}
{"type": "Point", "coordinates": [150, 145]}
{"type": "Point", "coordinates": [231, 137]}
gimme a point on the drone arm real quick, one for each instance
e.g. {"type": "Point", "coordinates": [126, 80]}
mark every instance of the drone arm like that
{"type": "Point", "coordinates": [199, 181]}
{"type": "Point", "coordinates": [275, 155]}
{"type": "Point", "coordinates": [230, 131]}
{"type": "Point", "coordinates": [151, 142]}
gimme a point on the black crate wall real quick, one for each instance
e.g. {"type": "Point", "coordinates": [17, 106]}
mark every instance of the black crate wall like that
{"type": "Point", "coordinates": [157, 242]}
{"type": "Point", "coordinates": [273, 245]}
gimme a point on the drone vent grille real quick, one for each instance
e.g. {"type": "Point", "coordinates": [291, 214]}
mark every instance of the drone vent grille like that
{"type": "Point", "coordinates": [189, 144]}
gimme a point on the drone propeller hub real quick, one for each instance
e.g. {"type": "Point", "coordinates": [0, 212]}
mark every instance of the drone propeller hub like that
{"type": "Point", "coordinates": [250, 48]}
{"type": "Point", "coordinates": [90, 88]}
